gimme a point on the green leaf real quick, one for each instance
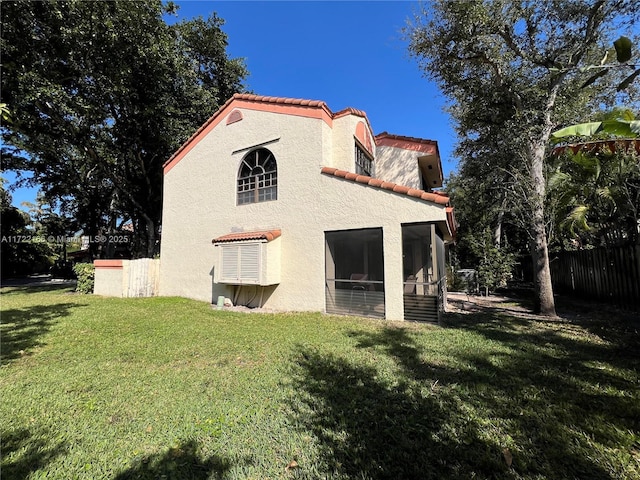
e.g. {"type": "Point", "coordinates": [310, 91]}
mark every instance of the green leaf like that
{"type": "Point", "coordinates": [622, 128]}
{"type": "Point", "coordinates": [628, 81]}
{"type": "Point", "coordinates": [557, 180]}
{"type": "Point", "coordinates": [604, 192]}
{"type": "Point", "coordinates": [578, 130]}
{"type": "Point", "coordinates": [595, 77]}
{"type": "Point", "coordinates": [624, 114]}
{"type": "Point", "coordinates": [590, 163]}
{"type": "Point", "coordinates": [623, 49]}
{"type": "Point", "coordinates": [577, 218]}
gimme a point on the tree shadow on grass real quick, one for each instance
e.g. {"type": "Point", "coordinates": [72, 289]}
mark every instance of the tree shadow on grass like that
{"type": "Point", "coordinates": [528, 404]}
{"type": "Point", "coordinates": [369, 427]}
{"type": "Point", "coordinates": [562, 390]}
{"type": "Point", "coordinates": [22, 328]}
{"type": "Point", "coordinates": [178, 463]}
{"type": "Point", "coordinates": [25, 451]}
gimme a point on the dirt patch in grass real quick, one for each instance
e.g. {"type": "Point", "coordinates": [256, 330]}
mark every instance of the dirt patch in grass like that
{"type": "Point", "coordinates": [521, 305]}
{"type": "Point", "coordinates": [607, 322]}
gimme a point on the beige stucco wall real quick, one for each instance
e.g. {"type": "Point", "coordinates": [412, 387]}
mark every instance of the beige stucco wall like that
{"type": "Point", "coordinates": [108, 282]}
{"type": "Point", "coordinates": [343, 134]}
{"type": "Point", "coordinates": [399, 166]}
{"type": "Point", "coordinates": [132, 278]}
{"type": "Point", "coordinates": [200, 204]}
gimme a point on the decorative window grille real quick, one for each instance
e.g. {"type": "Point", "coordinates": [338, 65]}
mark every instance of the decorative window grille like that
{"type": "Point", "coordinates": [364, 163]}
{"type": "Point", "coordinates": [258, 177]}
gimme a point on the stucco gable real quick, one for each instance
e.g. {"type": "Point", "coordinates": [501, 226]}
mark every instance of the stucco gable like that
{"type": "Point", "coordinates": [286, 106]}
{"type": "Point", "coordinates": [426, 151]}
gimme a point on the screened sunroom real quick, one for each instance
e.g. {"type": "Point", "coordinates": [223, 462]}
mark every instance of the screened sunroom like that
{"type": "Point", "coordinates": [355, 272]}
{"type": "Point", "coordinates": [355, 277]}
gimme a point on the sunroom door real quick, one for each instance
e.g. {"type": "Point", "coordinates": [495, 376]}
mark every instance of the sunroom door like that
{"type": "Point", "coordinates": [355, 272]}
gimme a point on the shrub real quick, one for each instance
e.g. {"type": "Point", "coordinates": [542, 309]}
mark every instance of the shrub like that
{"type": "Point", "coordinates": [455, 283]}
{"type": "Point", "coordinates": [496, 263]}
{"type": "Point", "coordinates": [85, 273]}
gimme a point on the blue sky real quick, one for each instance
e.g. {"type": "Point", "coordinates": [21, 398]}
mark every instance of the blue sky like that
{"type": "Point", "coordinates": [348, 54]}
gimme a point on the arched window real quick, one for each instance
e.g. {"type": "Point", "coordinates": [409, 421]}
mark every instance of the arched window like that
{"type": "Point", "coordinates": [257, 177]}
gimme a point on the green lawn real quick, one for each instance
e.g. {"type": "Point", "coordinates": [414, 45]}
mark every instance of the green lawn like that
{"type": "Point", "coordinates": [171, 388]}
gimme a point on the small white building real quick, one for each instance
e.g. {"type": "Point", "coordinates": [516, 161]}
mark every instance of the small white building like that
{"type": "Point", "coordinates": [284, 204]}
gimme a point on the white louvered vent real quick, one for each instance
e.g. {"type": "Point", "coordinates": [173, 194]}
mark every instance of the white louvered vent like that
{"type": "Point", "coordinates": [249, 263]}
{"type": "Point", "coordinates": [229, 264]}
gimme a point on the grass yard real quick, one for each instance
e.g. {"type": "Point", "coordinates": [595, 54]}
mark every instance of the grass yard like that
{"type": "Point", "coordinates": [170, 388]}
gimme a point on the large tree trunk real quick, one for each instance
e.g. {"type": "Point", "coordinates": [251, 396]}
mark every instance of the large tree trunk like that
{"type": "Point", "coordinates": [544, 302]}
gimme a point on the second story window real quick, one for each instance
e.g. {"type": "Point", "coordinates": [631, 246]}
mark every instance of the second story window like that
{"type": "Point", "coordinates": [364, 162]}
{"type": "Point", "coordinates": [257, 177]}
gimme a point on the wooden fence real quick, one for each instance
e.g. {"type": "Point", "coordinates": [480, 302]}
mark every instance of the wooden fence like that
{"type": "Point", "coordinates": [605, 274]}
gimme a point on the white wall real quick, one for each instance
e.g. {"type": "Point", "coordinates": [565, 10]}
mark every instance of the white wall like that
{"type": "Point", "coordinates": [108, 282]}
{"type": "Point", "coordinates": [126, 278]}
{"type": "Point", "coordinates": [399, 166]}
{"type": "Point", "coordinates": [200, 204]}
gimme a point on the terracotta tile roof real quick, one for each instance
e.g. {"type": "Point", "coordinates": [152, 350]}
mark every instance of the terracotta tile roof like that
{"type": "Point", "coordinates": [409, 143]}
{"type": "Point", "coordinates": [439, 192]}
{"type": "Point", "coordinates": [279, 100]}
{"type": "Point", "coordinates": [386, 135]}
{"type": "Point", "coordinates": [262, 102]}
{"type": "Point", "coordinates": [439, 198]}
{"type": "Point", "coordinates": [350, 111]}
{"type": "Point", "coordinates": [266, 235]}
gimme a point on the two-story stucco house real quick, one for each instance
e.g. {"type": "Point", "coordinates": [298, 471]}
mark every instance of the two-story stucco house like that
{"type": "Point", "coordinates": [284, 204]}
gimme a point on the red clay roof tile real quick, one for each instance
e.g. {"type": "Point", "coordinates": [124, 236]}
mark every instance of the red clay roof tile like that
{"type": "Point", "coordinates": [384, 136]}
{"type": "Point", "coordinates": [283, 100]}
{"type": "Point", "coordinates": [451, 220]}
{"type": "Point", "coordinates": [434, 197]}
{"type": "Point", "coordinates": [429, 147]}
{"type": "Point", "coordinates": [251, 98]}
{"type": "Point", "coordinates": [350, 111]}
{"type": "Point", "coordinates": [401, 189]}
{"type": "Point", "coordinates": [266, 235]}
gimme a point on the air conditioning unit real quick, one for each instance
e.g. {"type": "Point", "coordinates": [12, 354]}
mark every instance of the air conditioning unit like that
{"type": "Point", "coordinates": [248, 263]}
